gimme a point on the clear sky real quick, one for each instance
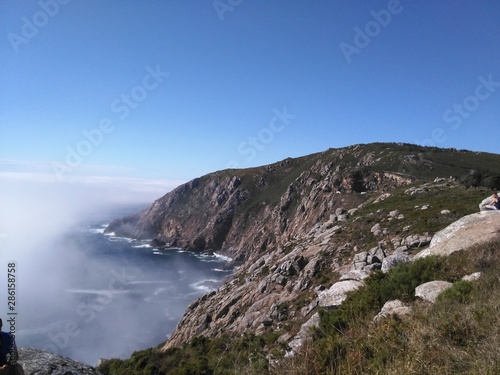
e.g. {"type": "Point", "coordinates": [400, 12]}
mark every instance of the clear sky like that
{"type": "Point", "coordinates": [146, 95]}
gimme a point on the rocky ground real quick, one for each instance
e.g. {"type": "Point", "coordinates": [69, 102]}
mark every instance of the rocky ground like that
{"type": "Point", "coordinates": [39, 362]}
{"type": "Point", "coordinates": [463, 234]}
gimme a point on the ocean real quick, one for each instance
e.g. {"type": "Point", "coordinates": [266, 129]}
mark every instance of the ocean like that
{"type": "Point", "coordinates": [95, 295]}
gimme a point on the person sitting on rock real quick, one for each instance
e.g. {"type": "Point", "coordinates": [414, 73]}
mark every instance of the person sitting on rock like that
{"type": "Point", "coordinates": [8, 366]}
{"type": "Point", "coordinates": [489, 203]}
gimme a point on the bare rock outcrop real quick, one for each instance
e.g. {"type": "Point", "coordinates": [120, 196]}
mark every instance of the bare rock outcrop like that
{"type": "Point", "coordinates": [470, 230]}
{"type": "Point", "coordinates": [303, 334]}
{"type": "Point", "coordinates": [39, 362]}
{"type": "Point", "coordinates": [472, 277]}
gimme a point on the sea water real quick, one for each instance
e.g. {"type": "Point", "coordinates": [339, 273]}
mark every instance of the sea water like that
{"type": "Point", "coordinates": [104, 296]}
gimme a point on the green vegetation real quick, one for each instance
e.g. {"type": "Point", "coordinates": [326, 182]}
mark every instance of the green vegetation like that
{"type": "Point", "coordinates": [456, 335]}
{"type": "Point", "coordinates": [202, 356]}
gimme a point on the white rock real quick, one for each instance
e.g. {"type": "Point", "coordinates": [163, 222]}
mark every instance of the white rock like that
{"type": "Point", "coordinates": [472, 277]}
{"type": "Point", "coordinates": [468, 231]}
{"type": "Point", "coordinates": [429, 291]}
{"type": "Point", "coordinates": [392, 307]}
{"type": "Point", "coordinates": [337, 293]}
{"type": "Point", "coordinates": [303, 334]}
{"type": "Point", "coordinates": [358, 275]}
{"type": "Point", "coordinates": [393, 260]}
{"type": "Point", "coordinates": [394, 213]}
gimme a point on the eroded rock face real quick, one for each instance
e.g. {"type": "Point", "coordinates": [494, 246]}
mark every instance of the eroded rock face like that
{"type": "Point", "coordinates": [262, 295]}
{"type": "Point", "coordinates": [39, 362]}
{"type": "Point", "coordinates": [240, 212]}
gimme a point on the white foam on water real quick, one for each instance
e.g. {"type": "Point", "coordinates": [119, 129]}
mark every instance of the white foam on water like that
{"type": "Point", "coordinates": [206, 285]}
{"type": "Point", "coordinates": [223, 257]}
{"type": "Point", "coordinates": [121, 239]}
{"type": "Point", "coordinates": [220, 270]}
{"type": "Point", "coordinates": [143, 246]}
{"type": "Point", "coordinates": [97, 230]}
{"type": "Point", "coordinates": [213, 258]}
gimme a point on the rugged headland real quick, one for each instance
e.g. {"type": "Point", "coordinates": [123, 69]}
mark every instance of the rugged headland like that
{"type": "Point", "coordinates": [242, 212]}
{"type": "Point", "coordinates": [305, 232]}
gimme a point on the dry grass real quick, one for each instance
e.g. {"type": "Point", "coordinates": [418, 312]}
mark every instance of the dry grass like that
{"type": "Point", "coordinates": [459, 334]}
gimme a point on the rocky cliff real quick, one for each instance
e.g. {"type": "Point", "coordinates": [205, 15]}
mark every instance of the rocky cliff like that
{"type": "Point", "coordinates": [301, 226]}
{"type": "Point", "coordinates": [243, 212]}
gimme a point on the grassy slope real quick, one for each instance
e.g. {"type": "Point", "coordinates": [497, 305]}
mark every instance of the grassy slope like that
{"type": "Point", "coordinates": [457, 335]}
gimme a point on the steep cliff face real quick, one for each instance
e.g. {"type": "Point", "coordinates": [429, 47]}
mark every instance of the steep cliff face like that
{"type": "Point", "coordinates": [239, 211]}
{"type": "Point", "coordinates": [299, 225]}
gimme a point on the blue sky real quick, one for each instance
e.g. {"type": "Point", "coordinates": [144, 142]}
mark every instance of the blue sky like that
{"type": "Point", "coordinates": [144, 95]}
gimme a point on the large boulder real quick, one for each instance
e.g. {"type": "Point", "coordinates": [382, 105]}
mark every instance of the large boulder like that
{"type": "Point", "coordinates": [468, 231]}
{"type": "Point", "coordinates": [429, 291]}
{"type": "Point", "coordinates": [337, 293]}
{"type": "Point", "coordinates": [393, 260]}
